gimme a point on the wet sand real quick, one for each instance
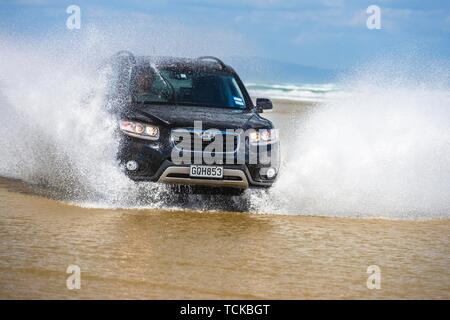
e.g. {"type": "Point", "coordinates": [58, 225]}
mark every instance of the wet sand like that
{"type": "Point", "coordinates": [150, 254]}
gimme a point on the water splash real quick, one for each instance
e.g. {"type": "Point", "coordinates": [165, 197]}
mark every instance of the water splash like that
{"type": "Point", "coordinates": [57, 133]}
{"type": "Point", "coordinates": [381, 150]}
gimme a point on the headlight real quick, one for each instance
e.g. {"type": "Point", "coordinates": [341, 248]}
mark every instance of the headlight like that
{"type": "Point", "coordinates": [139, 130]}
{"type": "Point", "coordinates": [263, 136]}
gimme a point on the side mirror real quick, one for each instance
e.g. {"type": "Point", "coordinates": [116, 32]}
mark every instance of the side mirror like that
{"type": "Point", "coordinates": [263, 104]}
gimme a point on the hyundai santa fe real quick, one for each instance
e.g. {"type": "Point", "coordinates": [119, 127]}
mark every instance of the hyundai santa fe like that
{"type": "Point", "coordinates": [191, 122]}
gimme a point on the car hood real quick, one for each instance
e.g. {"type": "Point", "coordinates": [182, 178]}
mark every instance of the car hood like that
{"type": "Point", "coordinates": [184, 116]}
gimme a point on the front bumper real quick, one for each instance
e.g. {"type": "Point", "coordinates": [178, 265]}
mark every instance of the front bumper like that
{"type": "Point", "coordinates": [233, 178]}
{"type": "Point", "coordinates": [155, 165]}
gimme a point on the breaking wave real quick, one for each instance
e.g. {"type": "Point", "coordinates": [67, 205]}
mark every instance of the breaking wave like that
{"type": "Point", "coordinates": [293, 92]}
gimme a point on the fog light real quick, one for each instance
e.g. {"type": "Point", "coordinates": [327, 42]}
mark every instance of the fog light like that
{"type": "Point", "coordinates": [271, 172]}
{"type": "Point", "coordinates": [132, 165]}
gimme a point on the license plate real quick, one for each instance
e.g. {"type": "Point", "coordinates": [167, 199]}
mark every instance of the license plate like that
{"type": "Point", "coordinates": [206, 172]}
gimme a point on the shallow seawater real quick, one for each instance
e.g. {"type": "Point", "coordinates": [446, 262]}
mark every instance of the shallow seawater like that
{"type": "Point", "coordinates": [148, 254]}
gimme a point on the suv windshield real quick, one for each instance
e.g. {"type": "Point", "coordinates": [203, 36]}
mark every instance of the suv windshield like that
{"type": "Point", "coordinates": [188, 87]}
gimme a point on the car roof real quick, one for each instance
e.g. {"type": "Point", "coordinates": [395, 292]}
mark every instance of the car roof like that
{"type": "Point", "coordinates": [202, 63]}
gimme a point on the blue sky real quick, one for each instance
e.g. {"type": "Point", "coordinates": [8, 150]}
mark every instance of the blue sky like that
{"type": "Point", "coordinates": [321, 33]}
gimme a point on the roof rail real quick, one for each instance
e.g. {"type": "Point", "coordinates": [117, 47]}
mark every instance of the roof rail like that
{"type": "Point", "coordinates": [222, 65]}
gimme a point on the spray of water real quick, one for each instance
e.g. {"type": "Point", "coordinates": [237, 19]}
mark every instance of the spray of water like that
{"type": "Point", "coordinates": [56, 132]}
{"type": "Point", "coordinates": [381, 150]}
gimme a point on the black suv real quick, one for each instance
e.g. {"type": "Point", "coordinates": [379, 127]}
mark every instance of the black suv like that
{"type": "Point", "coordinates": [191, 122]}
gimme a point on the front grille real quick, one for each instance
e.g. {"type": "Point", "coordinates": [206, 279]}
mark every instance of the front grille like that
{"type": "Point", "coordinates": [190, 140]}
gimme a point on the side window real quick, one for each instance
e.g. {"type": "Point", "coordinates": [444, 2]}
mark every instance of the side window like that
{"type": "Point", "coordinates": [144, 83]}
